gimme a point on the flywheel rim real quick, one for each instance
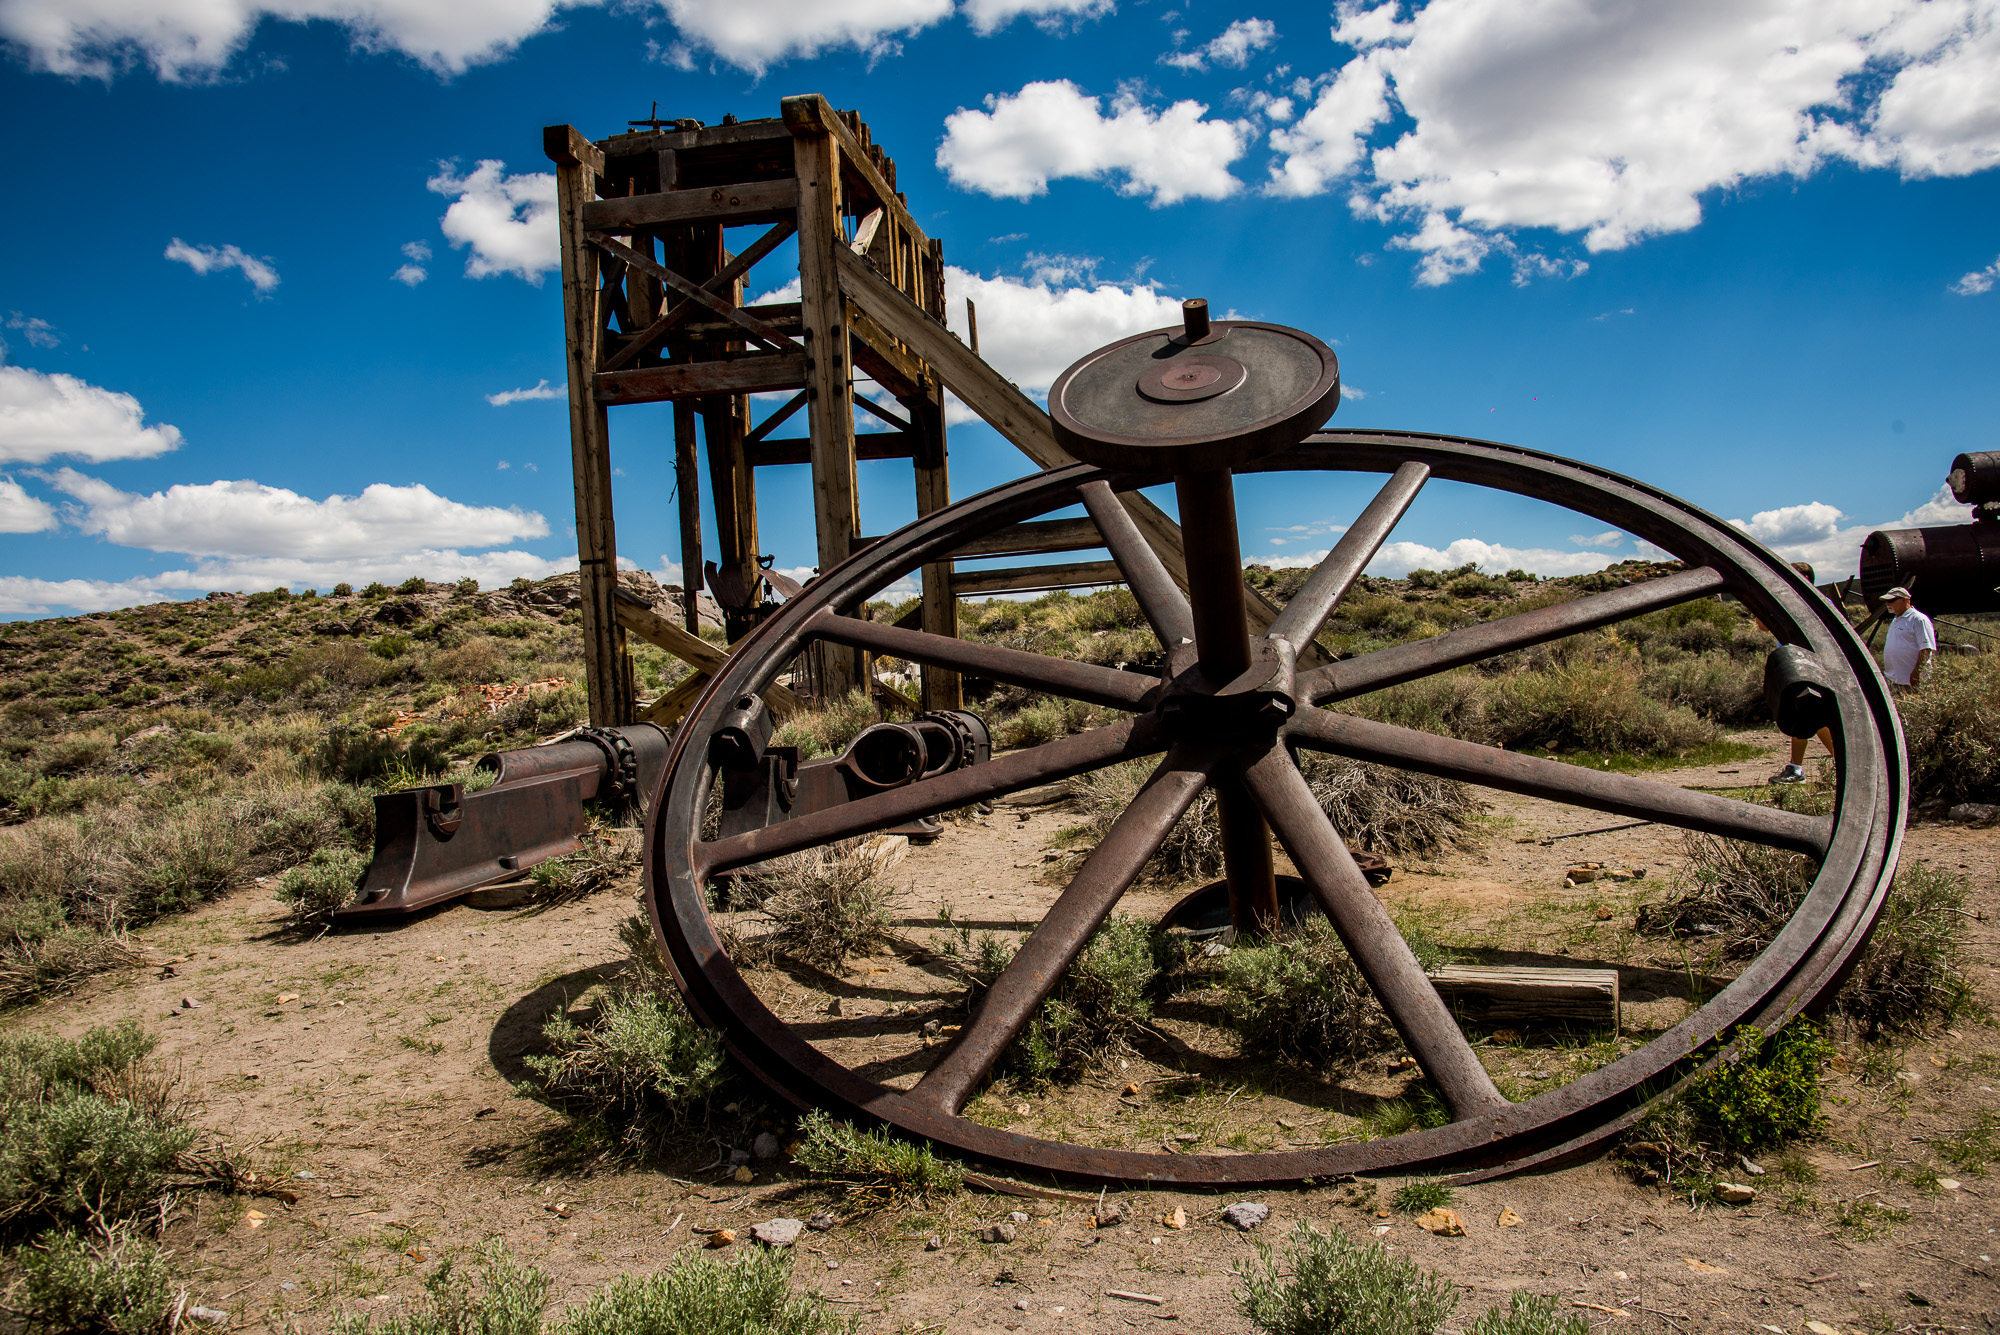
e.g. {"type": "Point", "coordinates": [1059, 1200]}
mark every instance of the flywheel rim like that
{"type": "Point", "coordinates": [1803, 964]}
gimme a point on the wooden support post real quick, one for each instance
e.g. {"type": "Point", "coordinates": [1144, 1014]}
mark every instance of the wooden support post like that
{"type": "Point", "coordinates": [942, 687]}
{"type": "Point", "coordinates": [830, 409]}
{"type": "Point", "coordinates": [734, 483]}
{"type": "Point", "coordinates": [578, 163]}
{"type": "Point", "coordinates": [687, 485]}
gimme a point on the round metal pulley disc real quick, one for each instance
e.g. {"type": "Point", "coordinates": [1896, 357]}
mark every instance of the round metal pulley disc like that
{"type": "Point", "coordinates": [1159, 402]}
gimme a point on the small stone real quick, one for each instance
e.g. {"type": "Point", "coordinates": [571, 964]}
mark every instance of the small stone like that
{"type": "Point", "coordinates": [832, 1264]}
{"type": "Point", "coordinates": [1130, 1090]}
{"type": "Point", "coordinates": [1111, 1214]}
{"type": "Point", "coordinates": [1734, 1193]}
{"type": "Point", "coordinates": [1246, 1215]}
{"type": "Point", "coordinates": [1445, 1223]}
{"type": "Point", "coordinates": [1582, 875]}
{"type": "Point", "coordinates": [934, 1243]}
{"type": "Point", "coordinates": [820, 1223]}
{"type": "Point", "coordinates": [1971, 812]}
{"type": "Point", "coordinates": [738, 1156]}
{"type": "Point", "coordinates": [999, 1233]}
{"type": "Point", "coordinates": [833, 1007]}
{"type": "Point", "coordinates": [1508, 1219]}
{"type": "Point", "coordinates": [190, 1004]}
{"type": "Point", "coordinates": [1175, 1218]}
{"type": "Point", "coordinates": [208, 1316]}
{"type": "Point", "coordinates": [1948, 1183]}
{"type": "Point", "coordinates": [1017, 1217]}
{"type": "Point", "coordinates": [931, 1028]}
{"type": "Point", "coordinates": [1020, 1304]}
{"type": "Point", "coordinates": [1021, 1110]}
{"type": "Point", "coordinates": [765, 1146]}
{"type": "Point", "coordinates": [777, 1232]}
{"type": "Point", "coordinates": [560, 1209]}
{"type": "Point", "coordinates": [743, 1176]}
{"type": "Point", "coordinates": [305, 1173]}
{"type": "Point", "coordinates": [1750, 1166]}
{"type": "Point", "coordinates": [722, 1237]}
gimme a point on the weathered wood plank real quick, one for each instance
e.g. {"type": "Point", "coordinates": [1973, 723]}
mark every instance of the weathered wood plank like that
{"type": "Point", "coordinates": [886, 362]}
{"type": "Point", "coordinates": [736, 268]}
{"type": "Point", "coordinates": [772, 338]}
{"type": "Point", "coordinates": [728, 205]}
{"type": "Point", "coordinates": [567, 146]}
{"type": "Point", "coordinates": [687, 486]}
{"type": "Point", "coordinates": [813, 113]}
{"type": "Point", "coordinates": [1022, 579]}
{"type": "Point", "coordinates": [683, 380]}
{"type": "Point", "coordinates": [798, 450]}
{"type": "Point", "coordinates": [696, 652]}
{"type": "Point", "coordinates": [1508, 995]}
{"type": "Point", "coordinates": [1035, 538]}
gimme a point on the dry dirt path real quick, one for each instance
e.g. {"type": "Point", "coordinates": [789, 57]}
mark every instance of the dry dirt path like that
{"type": "Point", "coordinates": [382, 1093]}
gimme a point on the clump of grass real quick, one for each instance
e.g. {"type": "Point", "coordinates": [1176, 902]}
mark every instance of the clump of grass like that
{"type": "Point", "coordinates": [508, 1300]}
{"type": "Point", "coordinates": [600, 859]}
{"type": "Point", "coordinates": [750, 1295]}
{"type": "Point", "coordinates": [1045, 719]}
{"type": "Point", "coordinates": [1092, 1013]}
{"type": "Point", "coordinates": [1419, 1109]}
{"type": "Point", "coordinates": [1731, 895]}
{"type": "Point", "coordinates": [1528, 1314]}
{"type": "Point", "coordinates": [117, 1283]}
{"type": "Point", "coordinates": [1589, 706]}
{"type": "Point", "coordinates": [874, 1165]}
{"type": "Point", "coordinates": [1767, 1094]}
{"type": "Point", "coordinates": [642, 1067]}
{"type": "Point", "coordinates": [91, 1131]}
{"type": "Point", "coordinates": [1422, 1195]}
{"type": "Point", "coordinates": [824, 905]}
{"type": "Point", "coordinates": [1330, 1284]}
{"type": "Point", "coordinates": [1974, 1148]}
{"type": "Point", "coordinates": [1297, 997]}
{"type": "Point", "coordinates": [312, 891]}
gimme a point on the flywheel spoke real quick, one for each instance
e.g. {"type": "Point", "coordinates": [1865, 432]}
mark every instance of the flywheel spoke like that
{"type": "Point", "coordinates": [1049, 951]}
{"type": "Point", "coordinates": [1145, 574]}
{"type": "Point", "coordinates": [1328, 584]}
{"type": "Point", "coordinates": [1064, 758]}
{"type": "Point", "coordinates": [1621, 794]}
{"type": "Point", "coordinates": [1370, 935]}
{"type": "Point", "coordinates": [1078, 681]}
{"type": "Point", "coordinates": [1470, 644]}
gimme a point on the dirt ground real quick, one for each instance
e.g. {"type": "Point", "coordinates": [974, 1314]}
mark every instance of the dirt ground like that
{"type": "Point", "coordinates": [373, 1072]}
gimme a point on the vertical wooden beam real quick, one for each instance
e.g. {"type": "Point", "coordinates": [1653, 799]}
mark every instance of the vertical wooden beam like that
{"type": "Point", "coordinates": [687, 485]}
{"type": "Point", "coordinates": [816, 157]}
{"type": "Point", "coordinates": [578, 163]}
{"type": "Point", "coordinates": [939, 615]}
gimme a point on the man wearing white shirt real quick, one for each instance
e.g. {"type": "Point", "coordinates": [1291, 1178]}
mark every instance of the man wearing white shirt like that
{"type": "Point", "coordinates": [1911, 642]}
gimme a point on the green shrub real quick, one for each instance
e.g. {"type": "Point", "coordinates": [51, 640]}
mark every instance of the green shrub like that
{"type": "Point", "coordinates": [827, 730]}
{"type": "Point", "coordinates": [507, 1301]}
{"type": "Point", "coordinates": [1451, 704]}
{"type": "Point", "coordinates": [414, 584]}
{"type": "Point", "coordinates": [1043, 720]}
{"type": "Point", "coordinates": [1952, 729]}
{"type": "Point", "coordinates": [89, 1131]}
{"type": "Point", "coordinates": [360, 756]}
{"type": "Point", "coordinates": [874, 1163]}
{"type": "Point", "coordinates": [119, 1284]}
{"type": "Point", "coordinates": [643, 1067]}
{"type": "Point", "coordinates": [1975, 1148]}
{"type": "Point", "coordinates": [1330, 1284]}
{"type": "Point", "coordinates": [392, 645]}
{"type": "Point", "coordinates": [1093, 1011]}
{"type": "Point", "coordinates": [312, 891]}
{"type": "Point", "coordinates": [1589, 706]}
{"type": "Point", "coordinates": [1718, 686]}
{"type": "Point", "coordinates": [343, 590]}
{"type": "Point", "coordinates": [1297, 997]}
{"type": "Point", "coordinates": [1767, 1094]}
{"type": "Point", "coordinates": [1528, 1314]}
{"type": "Point", "coordinates": [697, 1295]}
{"type": "Point", "coordinates": [1421, 1195]}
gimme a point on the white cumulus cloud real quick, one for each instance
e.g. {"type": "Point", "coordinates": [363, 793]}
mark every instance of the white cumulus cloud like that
{"type": "Point", "coordinates": [46, 415]}
{"type": "Point", "coordinates": [215, 259]}
{"type": "Point", "coordinates": [1611, 537]}
{"type": "Point", "coordinates": [417, 254]}
{"type": "Point", "coordinates": [1978, 281]}
{"type": "Point", "coordinates": [989, 16]}
{"type": "Point", "coordinates": [1817, 533]}
{"type": "Point", "coordinates": [22, 513]}
{"type": "Point", "coordinates": [1234, 47]}
{"type": "Point", "coordinates": [508, 222]}
{"type": "Point", "coordinates": [541, 389]}
{"type": "Point", "coordinates": [1465, 120]}
{"type": "Point", "coordinates": [755, 34]}
{"type": "Point", "coordinates": [193, 39]}
{"type": "Point", "coordinates": [1032, 328]}
{"type": "Point", "coordinates": [246, 519]}
{"type": "Point", "coordinates": [1053, 129]}
{"type": "Point", "coordinates": [1397, 559]}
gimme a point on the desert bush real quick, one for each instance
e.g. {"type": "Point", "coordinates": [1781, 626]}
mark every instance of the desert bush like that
{"type": "Point", "coordinates": [1092, 1013]}
{"type": "Point", "coordinates": [1528, 1314]}
{"type": "Point", "coordinates": [1768, 1093]}
{"type": "Point", "coordinates": [474, 659]}
{"type": "Point", "coordinates": [1730, 895]}
{"type": "Point", "coordinates": [1297, 997]}
{"type": "Point", "coordinates": [642, 1066]}
{"type": "Point", "coordinates": [1589, 706]}
{"type": "Point", "coordinates": [1952, 729]}
{"type": "Point", "coordinates": [826, 731]}
{"type": "Point", "coordinates": [314, 889]}
{"type": "Point", "coordinates": [1451, 704]}
{"type": "Point", "coordinates": [508, 1300]}
{"type": "Point", "coordinates": [750, 1295]}
{"type": "Point", "coordinates": [117, 1283]}
{"type": "Point", "coordinates": [1331, 1284]}
{"type": "Point", "coordinates": [874, 1164]}
{"type": "Point", "coordinates": [362, 757]}
{"type": "Point", "coordinates": [600, 859]}
{"type": "Point", "coordinates": [1045, 719]}
{"type": "Point", "coordinates": [90, 1129]}
{"type": "Point", "coordinates": [824, 905]}
{"type": "Point", "coordinates": [1717, 686]}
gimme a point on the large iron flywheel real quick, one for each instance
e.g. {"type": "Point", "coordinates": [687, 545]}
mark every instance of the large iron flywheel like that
{"type": "Point", "coordinates": [1229, 709]}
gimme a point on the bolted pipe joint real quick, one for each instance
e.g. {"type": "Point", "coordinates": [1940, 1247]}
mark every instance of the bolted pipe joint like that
{"type": "Point", "coordinates": [1799, 691]}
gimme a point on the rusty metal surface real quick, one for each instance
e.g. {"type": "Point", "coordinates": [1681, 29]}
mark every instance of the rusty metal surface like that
{"type": "Point", "coordinates": [437, 843]}
{"type": "Point", "coordinates": [1247, 724]}
{"type": "Point", "coordinates": [1951, 568]}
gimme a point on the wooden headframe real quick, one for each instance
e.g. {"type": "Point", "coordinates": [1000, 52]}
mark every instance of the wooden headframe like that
{"type": "Point", "coordinates": [653, 308]}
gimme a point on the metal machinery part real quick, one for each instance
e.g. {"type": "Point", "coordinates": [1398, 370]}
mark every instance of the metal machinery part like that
{"type": "Point", "coordinates": [1950, 568]}
{"type": "Point", "coordinates": [1229, 708]}
{"type": "Point", "coordinates": [434, 844]}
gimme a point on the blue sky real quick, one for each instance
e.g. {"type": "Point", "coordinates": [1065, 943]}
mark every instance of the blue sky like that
{"type": "Point", "coordinates": [261, 283]}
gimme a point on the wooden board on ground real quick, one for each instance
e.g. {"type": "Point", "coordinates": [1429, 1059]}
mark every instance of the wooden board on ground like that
{"type": "Point", "coordinates": [1507, 995]}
